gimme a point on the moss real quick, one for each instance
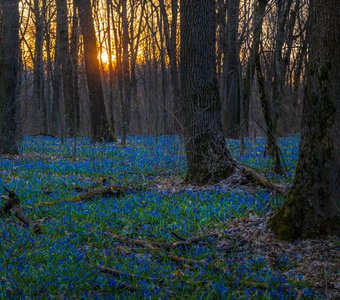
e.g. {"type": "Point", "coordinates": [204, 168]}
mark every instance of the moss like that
{"type": "Point", "coordinates": [284, 222]}
{"type": "Point", "coordinates": [75, 199]}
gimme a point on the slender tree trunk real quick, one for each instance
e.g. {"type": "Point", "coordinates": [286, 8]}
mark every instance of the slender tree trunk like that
{"type": "Point", "coordinates": [9, 67]}
{"type": "Point", "coordinates": [311, 209]}
{"type": "Point", "coordinates": [101, 130]}
{"type": "Point", "coordinates": [231, 113]}
{"type": "Point", "coordinates": [49, 71]}
{"type": "Point", "coordinates": [207, 155]}
{"type": "Point", "coordinates": [272, 146]}
{"type": "Point", "coordinates": [111, 75]}
{"type": "Point", "coordinates": [66, 68]}
{"type": "Point", "coordinates": [164, 79]}
{"type": "Point", "coordinates": [56, 83]}
{"type": "Point", "coordinates": [126, 104]}
{"type": "Point", "coordinates": [171, 44]}
{"type": "Point", "coordinates": [74, 49]}
{"type": "Point", "coordinates": [38, 72]}
{"type": "Point", "coordinates": [278, 82]}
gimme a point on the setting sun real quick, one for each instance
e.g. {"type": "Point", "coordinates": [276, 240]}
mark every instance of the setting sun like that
{"type": "Point", "coordinates": [104, 57]}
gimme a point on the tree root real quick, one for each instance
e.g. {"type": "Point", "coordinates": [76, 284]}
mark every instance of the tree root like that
{"type": "Point", "coordinates": [12, 205]}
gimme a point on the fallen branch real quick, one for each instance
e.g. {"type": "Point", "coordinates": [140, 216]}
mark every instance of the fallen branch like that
{"type": "Point", "coordinates": [12, 205]}
{"type": "Point", "coordinates": [156, 248]}
{"type": "Point", "coordinates": [112, 191]}
{"type": "Point", "coordinates": [260, 180]}
{"type": "Point", "coordinates": [194, 239]}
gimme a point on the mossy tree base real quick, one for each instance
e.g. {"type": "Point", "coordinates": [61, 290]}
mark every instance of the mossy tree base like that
{"type": "Point", "coordinates": [299, 219]}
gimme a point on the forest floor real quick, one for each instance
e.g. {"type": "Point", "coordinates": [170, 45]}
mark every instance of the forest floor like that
{"type": "Point", "coordinates": [159, 238]}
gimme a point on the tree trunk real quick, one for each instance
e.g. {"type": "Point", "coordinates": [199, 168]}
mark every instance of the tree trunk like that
{"type": "Point", "coordinates": [165, 124]}
{"type": "Point", "coordinates": [111, 75]}
{"type": "Point", "coordinates": [66, 68]}
{"type": "Point", "coordinates": [101, 130]}
{"type": "Point", "coordinates": [74, 49]}
{"type": "Point", "coordinates": [311, 208]}
{"type": "Point", "coordinates": [207, 155]}
{"type": "Point", "coordinates": [9, 67]}
{"type": "Point", "coordinates": [278, 82]}
{"type": "Point", "coordinates": [126, 101]}
{"type": "Point", "coordinates": [231, 113]}
{"type": "Point", "coordinates": [171, 45]}
{"type": "Point", "coordinates": [37, 109]}
{"type": "Point", "coordinates": [272, 147]}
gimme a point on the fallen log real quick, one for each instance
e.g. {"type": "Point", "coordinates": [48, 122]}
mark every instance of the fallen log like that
{"type": "Point", "coordinates": [262, 181]}
{"type": "Point", "coordinates": [12, 206]}
{"type": "Point", "coordinates": [111, 191]}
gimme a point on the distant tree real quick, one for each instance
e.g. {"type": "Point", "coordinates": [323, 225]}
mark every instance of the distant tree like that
{"type": "Point", "coordinates": [9, 66]}
{"type": "Point", "coordinates": [170, 33]}
{"type": "Point", "coordinates": [231, 105]}
{"type": "Point", "coordinates": [126, 101]}
{"type": "Point", "coordinates": [208, 157]}
{"type": "Point", "coordinates": [63, 49]}
{"type": "Point", "coordinates": [38, 108]}
{"type": "Point", "coordinates": [74, 50]}
{"type": "Point", "coordinates": [101, 129]}
{"type": "Point", "coordinates": [272, 147]}
{"type": "Point", "coordinates": [311, 208]}
{"type": "Point", "coordinates": [278, 68]}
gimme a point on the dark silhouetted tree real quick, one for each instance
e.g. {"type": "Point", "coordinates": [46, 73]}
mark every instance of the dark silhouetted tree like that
{"type": "Point", "coordinates": [311, 208]}
{"type": "Point", "coordinates": [208, 157]}
{"type": "Point", "coordinates": [101, 129]}
{"type": "Point", "coordinates": [9, 66]}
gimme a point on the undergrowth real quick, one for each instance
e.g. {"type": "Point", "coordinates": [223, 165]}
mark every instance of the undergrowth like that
{"type": "Point", "coordinates": [63, 261]}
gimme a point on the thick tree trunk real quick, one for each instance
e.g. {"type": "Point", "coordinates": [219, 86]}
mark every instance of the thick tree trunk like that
{"type": "Point", "coordinates": [207, 155]}
{"type": "Point", "coordinates": [101, 130]}
{"type": "Point", "coordinates": [9, 66]}
{"type": "Point", "coordinates": [311, 209]}
{"type": "Point", "coordinates": [231, 113]}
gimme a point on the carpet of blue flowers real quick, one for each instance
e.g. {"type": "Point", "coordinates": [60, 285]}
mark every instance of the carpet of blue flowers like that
{"type": "Point", "coordinates": [63, 261]}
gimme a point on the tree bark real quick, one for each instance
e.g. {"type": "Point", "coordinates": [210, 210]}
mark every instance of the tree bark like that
{"type": "Point", "coordinates": [311, 208]}
{"type": "Point", "coordinates": [207, 155]}
{"type": "Point", "coordinates": [9, 67]}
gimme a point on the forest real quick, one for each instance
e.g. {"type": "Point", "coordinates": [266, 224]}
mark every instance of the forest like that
{"type": "Point", "coordinates": [169, 149]}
